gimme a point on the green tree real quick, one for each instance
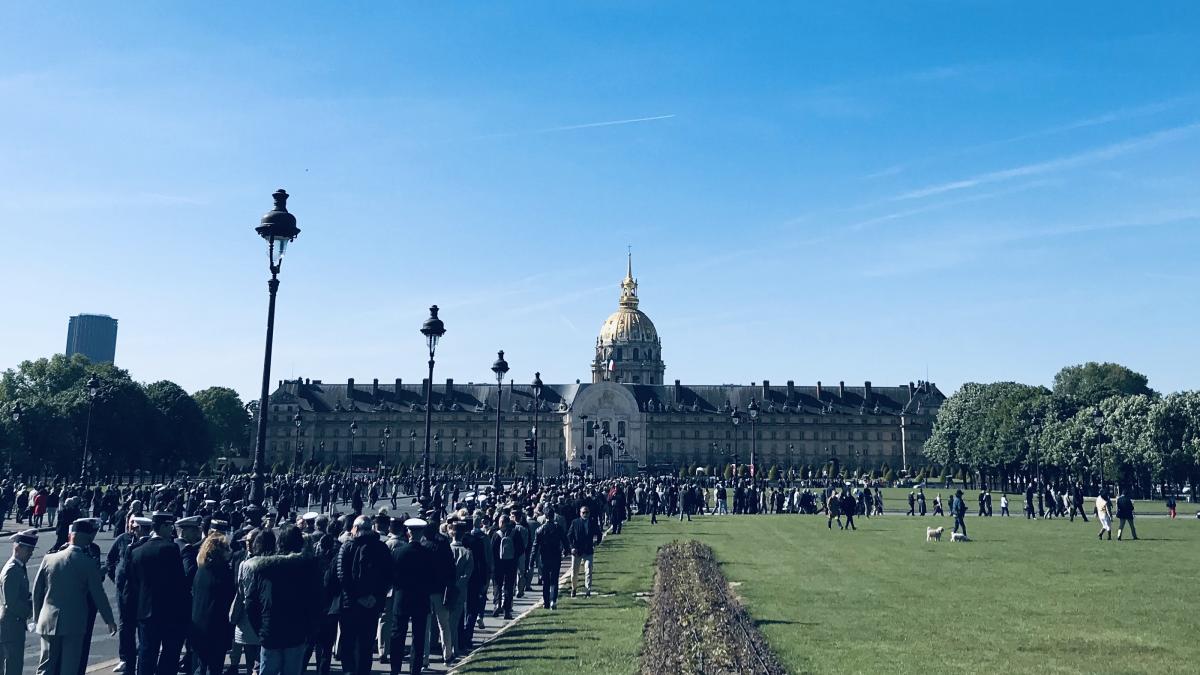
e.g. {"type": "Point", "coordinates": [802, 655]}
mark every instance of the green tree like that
{"type": "Point", "coordinates": [181, 430]}
{"type": "Point", "coordinates": [226, 417]}
{"type": "Point", "coordinates": [1090, 383]}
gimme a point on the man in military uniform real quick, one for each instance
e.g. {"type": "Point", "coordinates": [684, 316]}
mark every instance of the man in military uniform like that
{"type": "Point", "coordinates": [65, 582]}
{"type": "Point", "coordinates": [413, 578]}
{"type": "Point", "coordinates": [157, 581]}
{"type": "Point", "coordinates": [118, 566]}
{"type": "Point", "coordinates": [16, 604]}
{"type": "Point", "coordinates": [189, 546]}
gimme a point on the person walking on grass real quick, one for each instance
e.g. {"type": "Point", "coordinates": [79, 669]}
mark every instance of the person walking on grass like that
{"type": "Point", "coordinates": [959, 508]}
{"type": "Point", "coordinates": [1171, 505]}
{"type": "Point", "coordinates": [937, 506]}
{"type": "Point", "coordinates": [833, 506]}
{"type": "Point", "coordinates": [583, 537]}
{"type": "Point", "coordinates": [1104, 514]}
{"type": "Point", "coordinates": [1125, 515]}
{"type": "Point", "coordinates": [1004, 504]}
{"type": "Point", "coordinates": [849, 506]}
{"type": "Point", "coordinates": [912, 503]}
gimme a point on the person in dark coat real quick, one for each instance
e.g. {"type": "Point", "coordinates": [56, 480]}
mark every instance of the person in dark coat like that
{"type": "Point", "coordinates": [282, 602]}
{"type": "Point", "coordinates": [549, 542]}
{"type": "Point", "coordinates": [364, 574]}
{"type": "Point", "coordinates": [157, 582]}
{"type": "Point", "coordinates": [213, 590]}
{"type": "Point", "coordinates": [619, 511]}
{"type": "Point", "coordinates": [414, 576]}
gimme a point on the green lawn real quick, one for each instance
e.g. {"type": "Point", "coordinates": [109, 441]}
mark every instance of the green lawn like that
{"type": "Point", "coordinates": [1024, 596]}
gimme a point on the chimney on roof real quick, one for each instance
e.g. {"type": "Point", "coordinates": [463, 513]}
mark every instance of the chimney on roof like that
{"type": "Point", "coordinates": [867, 391]}
{"type": "Point", "coordinates": [280, 385]}
{"type": "Point", "coordinates": [842, 389]}
{"type": "Point", "coordinates": [350, 389]}
{"type": "Point", "coordinates": [766, 390]}
{"type": "Point", "coordinates": [398, 383]}
{"type": "Point", "coordinates": [791, 395]}
{"type": "Point", "coordinates": [818, 390]}
{"type": "Point", "coordinates": [449, 388]}
{"type": "Point", "coordinates": [375, 388]}
{"type": "Point", "coordinates": [307, 381]}
{"type": "Point", "coordinates": [425, 388]}
{"type": "Point", "coordinates": [910, 391]}
{"type": "Point", "coordinates": [678, 392]}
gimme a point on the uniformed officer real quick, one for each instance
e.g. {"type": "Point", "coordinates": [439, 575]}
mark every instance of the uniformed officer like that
{"type": "Point", "coordinates": [118, 567]}
{"type": "Point", "coordinates": [16, 604]}
{"type": "Point", "coordinates": [65, 582]}
{"type": "Point", "coordinates": [157, 581]}
{"type": "Point", "coordinates": [189, 546]}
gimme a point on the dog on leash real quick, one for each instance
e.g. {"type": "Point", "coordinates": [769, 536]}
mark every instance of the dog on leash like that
{"type": "Point", "coordinates": [958, 536]}
{"type": "Point", "coordinates": [934, 533]}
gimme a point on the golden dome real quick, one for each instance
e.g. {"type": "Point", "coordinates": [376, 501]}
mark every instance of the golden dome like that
{"type": "Point", "coordinates": [628, 324]}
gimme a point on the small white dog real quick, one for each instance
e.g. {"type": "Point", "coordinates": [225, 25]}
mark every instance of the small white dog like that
{"type": "Point", "coordinates": [934, 533]}
{"type": "Point", "coordinates": [958, 536]}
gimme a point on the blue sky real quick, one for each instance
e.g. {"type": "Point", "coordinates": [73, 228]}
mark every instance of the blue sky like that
{"type": "Point", "coordinates": [980, 191]}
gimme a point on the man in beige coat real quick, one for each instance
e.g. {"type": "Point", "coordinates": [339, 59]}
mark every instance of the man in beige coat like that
{"type": "Point", "coordinates": [60, 592]}
{"type": "Point", "coordinates": [16, 605]}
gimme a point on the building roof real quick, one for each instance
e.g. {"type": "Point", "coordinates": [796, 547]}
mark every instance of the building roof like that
{"type": "Point", "coordinates": [316, 396]}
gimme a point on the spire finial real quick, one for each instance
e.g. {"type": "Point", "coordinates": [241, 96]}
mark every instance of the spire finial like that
{"type": "Point", "coordinates": [629, 262]}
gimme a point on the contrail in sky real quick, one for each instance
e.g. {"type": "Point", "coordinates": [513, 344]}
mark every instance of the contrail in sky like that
{"type": "Point", "coordinates": [573, 127]}
{"type": "Point", "coordinates": [602, 124]}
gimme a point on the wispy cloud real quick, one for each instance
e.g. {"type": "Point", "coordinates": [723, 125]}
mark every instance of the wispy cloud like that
{"type": "Point", "coordinates": [1067, 162]}
{"type": "Point", "coordinates": [576, 127]}
{"type": "Point", "coordinates": [1109, 117]}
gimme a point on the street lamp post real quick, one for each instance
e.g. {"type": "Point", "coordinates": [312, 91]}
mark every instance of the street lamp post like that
{"type": "Point", "coordinates": [412, 447]}
{"type": "Point", "coordinates": [1098, 420]}
{"type": "Point", "coordinates": [735, 418]}
{"type": "Point", "coordinates": [433, 329]}
{"type": "Point", "coordinates": [453, 449]}
{"type": "Point", "coordinates": [753, 410]}
{"type": "Point", "coordinates": [537, 405]}
{"type": "Point", "coordinates": [353, 436]}
{"type": "Point", "coordinates": [500, 368]}
{"type": "Point", "coordinates": [93, 390]}
{"type": "Point", "coordinates": [387, 442]}
{"type": "Point", "coordinates": [298, 419]}
{"type": "Point", "coordinates": [278, 228]}
{"type": "Point", "coordinates": [17, 413]}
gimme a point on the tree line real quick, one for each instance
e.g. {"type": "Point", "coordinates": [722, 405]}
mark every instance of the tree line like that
{"type": "Point", "coordinates": [154, 428]}
{"type": "Point", "coordinates": [1100, 424]}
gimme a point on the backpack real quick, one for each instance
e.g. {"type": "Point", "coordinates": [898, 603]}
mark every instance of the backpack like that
{"type": "Point", "coordinates": [508, 550]}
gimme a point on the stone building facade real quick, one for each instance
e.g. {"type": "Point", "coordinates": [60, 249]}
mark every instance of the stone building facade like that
{"type": "Point", "coordinates": [627, 416]}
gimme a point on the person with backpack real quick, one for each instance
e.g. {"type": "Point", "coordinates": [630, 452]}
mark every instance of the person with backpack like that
{"type": "Point", "coordinates": [506, 552]}
{"type": "Point", "coordinates": [364, 576]}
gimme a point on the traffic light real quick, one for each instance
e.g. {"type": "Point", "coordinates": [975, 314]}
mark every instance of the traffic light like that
{"type": "Point", "coordinates": [530, 448]}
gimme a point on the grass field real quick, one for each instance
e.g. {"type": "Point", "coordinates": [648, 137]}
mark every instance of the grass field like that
{"type": "Point", "coordinates": [1023, 596]}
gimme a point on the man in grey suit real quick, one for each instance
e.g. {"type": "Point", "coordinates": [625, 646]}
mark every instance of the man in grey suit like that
{"type": "Point", "coordinates": [64, 582]}
{"type": "Point", "coordinates": [16, 605]}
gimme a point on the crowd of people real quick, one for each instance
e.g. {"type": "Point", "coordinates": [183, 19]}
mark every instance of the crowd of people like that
{"type": "Point", "coordinates": [354, 568]}
{"type": "Point", "coordinates": [208, 582]}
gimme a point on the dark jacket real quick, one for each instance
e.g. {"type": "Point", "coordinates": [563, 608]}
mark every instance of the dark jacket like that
{"type": "Point", "coordinates": [443, 560]}
{"type": "Point", "coordinates": [413, 579]}
{"type": "Point", "coordinates": [213, 589]}
{"type": "Point", "coordinates": [548, 545]}
{"type": "Point", "coordinates": [1124, 507]}
{"type": "Point", "coordinates": [155, 577]}
{"type": "Point", "coordinates": [583, 536]}
{"type": "Point", "coordinates": [282, 599]}
{"type": "Point", "coordinates": [363, 570]}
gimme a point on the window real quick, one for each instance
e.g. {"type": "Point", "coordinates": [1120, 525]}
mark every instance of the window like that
{"type": "Point", "coordinates": [604, 427]}
{"type": "Point", "coordinates": [621, 429]}
{"type": "Point", "coordinates": [637, 379]}
{"type": "Point", "coordinates": [635, 353]}
{"type": "Point", "coordinates": [590, 430]}
{"type": "Point", "coordinates": [620, 353]}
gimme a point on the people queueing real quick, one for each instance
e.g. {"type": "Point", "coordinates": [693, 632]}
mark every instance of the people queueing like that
{"type": "Point", "coordinates": [204, 573]}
